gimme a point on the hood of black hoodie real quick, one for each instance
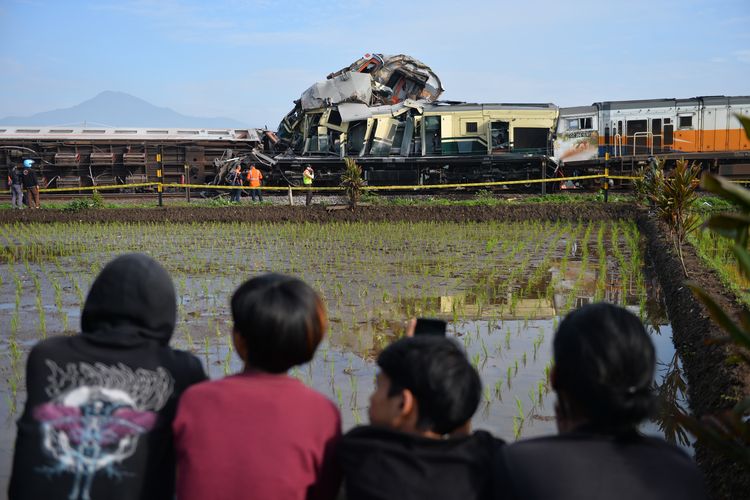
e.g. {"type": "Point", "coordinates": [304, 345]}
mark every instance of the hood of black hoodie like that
{"type": "Point", "coordinates": [132, 300]}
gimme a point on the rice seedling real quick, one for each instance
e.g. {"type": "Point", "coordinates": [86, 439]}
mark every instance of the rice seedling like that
{"type": "Point", "coordinates": [372, 275]}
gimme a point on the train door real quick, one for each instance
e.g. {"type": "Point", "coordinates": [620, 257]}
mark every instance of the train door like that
{"type": "Point", "coordinates": [431, 137]}
{"type": "Point", "coordinates": [618, 137]}
{"type": "Point", "coordinates": [656, 134]}
{"type": "Point", "coordinates": [499, 136]}
{"type": "Point", "coordinates": [668, 134]}
{"type": "Point", "coordinates": [736, 140]}
{"type": "Point", "coordinates": [638, 130]}
{"type": "Point", "coordinates": [707, 139]}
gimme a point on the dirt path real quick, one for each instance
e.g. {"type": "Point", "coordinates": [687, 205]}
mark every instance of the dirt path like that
{"type": "Point", "coordinates": [551, 212]}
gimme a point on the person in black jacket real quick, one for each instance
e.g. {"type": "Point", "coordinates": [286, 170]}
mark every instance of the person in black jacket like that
{"type": "Point", "coordinates": [417, 446]}
{"type": "Point", "coordinates": [30, 183]}
{"type": "Point", "coordinates": [98, 416]}
{"type": "Point", "coordinates": [15, 179]}
{"type": "Point", "coordinates": [603, 377]}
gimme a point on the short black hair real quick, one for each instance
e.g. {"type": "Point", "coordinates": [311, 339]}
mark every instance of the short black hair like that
{"type": "Point", "coordinates": [435, 369]}
{"type": "Point", "coordinates": [605, 362]}
{"type": "Point", "coordinates": [281, 319]}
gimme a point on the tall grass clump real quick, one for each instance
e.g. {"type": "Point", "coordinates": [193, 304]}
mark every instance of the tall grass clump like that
{"type": "Point", "coordinates": [352, 182]}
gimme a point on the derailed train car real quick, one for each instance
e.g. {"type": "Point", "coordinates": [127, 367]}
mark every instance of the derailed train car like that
{"type": "Point", "coordinates": [69, 157]}
{"type": "Point", "coordinates": [427, 143]}
{"type": "Point", "coordinates": [383, 111]}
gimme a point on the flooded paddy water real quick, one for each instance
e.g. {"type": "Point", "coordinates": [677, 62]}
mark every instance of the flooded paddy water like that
{"type": "Point", "coordinates": [502, 287]}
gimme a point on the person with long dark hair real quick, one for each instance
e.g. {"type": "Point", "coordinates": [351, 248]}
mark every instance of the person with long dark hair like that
{"type": "Point", "coordinates": [603, 372]}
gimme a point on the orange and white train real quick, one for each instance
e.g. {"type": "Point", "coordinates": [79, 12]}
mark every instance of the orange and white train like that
{"type": "Point", "coordinates": [701, 128]}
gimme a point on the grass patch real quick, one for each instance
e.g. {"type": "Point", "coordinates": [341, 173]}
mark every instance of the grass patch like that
{"type": "Point", "coordinates": [716, 253]}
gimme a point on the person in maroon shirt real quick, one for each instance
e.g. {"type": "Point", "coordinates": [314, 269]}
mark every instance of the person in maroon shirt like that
{"type": "Point", "coordinates": [260, 433]}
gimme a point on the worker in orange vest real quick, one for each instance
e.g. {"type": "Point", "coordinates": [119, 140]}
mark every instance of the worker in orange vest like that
{"type": "Point", "coordinates": [255, 176]}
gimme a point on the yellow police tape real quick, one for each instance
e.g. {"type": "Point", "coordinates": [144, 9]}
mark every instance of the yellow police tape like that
{"type": "Point", "coordinates": [161, 186]}
{"type": "Point", "coordinates": [392, 188]}
{"type": "Point", "coordinates": [98, 188]}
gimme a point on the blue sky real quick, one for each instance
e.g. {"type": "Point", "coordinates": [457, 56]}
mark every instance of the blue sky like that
{"type": "Point", "coordinates": [250, 60]}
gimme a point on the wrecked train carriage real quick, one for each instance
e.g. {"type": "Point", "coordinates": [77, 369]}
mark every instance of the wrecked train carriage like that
{"type": "Point", "coordinates": [71, 157]}
{"type": "Point", "coordinates": [374, 80]}
{"type": "Point", "coordinates": [417, 142]}
{"type": "Point", "coordinates": [395, 78]}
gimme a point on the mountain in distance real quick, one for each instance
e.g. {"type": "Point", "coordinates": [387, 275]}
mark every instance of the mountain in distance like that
{"type": "Point", "coordinates": [118, 109]}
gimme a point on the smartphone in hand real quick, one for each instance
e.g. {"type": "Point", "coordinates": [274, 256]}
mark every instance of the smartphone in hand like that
{"type": "Point", "coordinates": [430, 326]}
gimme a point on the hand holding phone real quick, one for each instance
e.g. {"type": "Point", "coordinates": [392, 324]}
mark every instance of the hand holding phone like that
{"type": "Point", "coordinates": [430, 326]}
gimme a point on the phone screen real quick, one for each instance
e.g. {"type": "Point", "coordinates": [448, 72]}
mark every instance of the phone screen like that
{"type": "Point", "coordinates": [430, 326]}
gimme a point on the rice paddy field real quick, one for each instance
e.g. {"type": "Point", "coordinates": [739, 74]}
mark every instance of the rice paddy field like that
{"type": "Point", "coordinates": [502, 288]}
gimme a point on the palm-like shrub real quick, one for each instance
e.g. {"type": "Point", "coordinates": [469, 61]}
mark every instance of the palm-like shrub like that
{"type": "Point", "coordinates": [352, 182]}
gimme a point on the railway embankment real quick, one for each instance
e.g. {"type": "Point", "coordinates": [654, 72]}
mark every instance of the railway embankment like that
{"type": "Point", "coordinates": [320, 214]}
{"type": "Point", "coordinates": [713, 383]}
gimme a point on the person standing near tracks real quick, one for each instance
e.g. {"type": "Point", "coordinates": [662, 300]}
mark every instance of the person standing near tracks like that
{"type": "Point", "coordinates": [255, 176]}
{"type": "Point", "coordinates": [308, 175]}
{"type": "Point", "coordinates": [30, 184]}
{"type": "Point", "coordinates": [15, 181]}
{"type": "Point", "coordinates": [235, 179]}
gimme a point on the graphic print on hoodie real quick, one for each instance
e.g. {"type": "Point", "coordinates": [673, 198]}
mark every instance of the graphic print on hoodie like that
{"type": "Point", "coordinates": [95, 417]}
{"type": "Point", "coordinates": [97, 421]}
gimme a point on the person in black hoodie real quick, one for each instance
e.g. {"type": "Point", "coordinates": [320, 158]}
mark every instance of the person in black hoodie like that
{"type": "Point", "coordinates": [603, 377]}
{"type": "Point", "coordinates": [417, 445]}
{"type": "Point", "coordinates": [97, 420]}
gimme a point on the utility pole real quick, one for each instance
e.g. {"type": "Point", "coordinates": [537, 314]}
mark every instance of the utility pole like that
{"type": "Point", "coordinates": [160, 176]}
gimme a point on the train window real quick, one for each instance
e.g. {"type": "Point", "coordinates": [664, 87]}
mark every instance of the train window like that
{"type": "Point", "coordinates": [685, 121]}
{"type": "Point", "coordinates": [471, 127]}
{"type": "Point", "coordinates": [579, 123]}
{"type": "Point", "coordinates": [667, 121]}
{"type": "Point", "coordinates": [636, 126]}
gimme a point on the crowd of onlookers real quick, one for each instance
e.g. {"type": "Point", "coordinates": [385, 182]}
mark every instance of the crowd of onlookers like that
{"type": "Point", "coordinates": [115, 413]}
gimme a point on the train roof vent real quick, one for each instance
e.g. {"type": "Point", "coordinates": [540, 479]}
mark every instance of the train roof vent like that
{"type": "Point", "coordinates": [218, 132]}
{"type": "Point", "coordinates": [27, 130]}
{"type": "Point", "coordinates": [61, 131]}
{"type": "Point", "coordinates": [94, 131]}
{"type": "Point", "coordinates": [188, 132]}
{"type": "Point", "coordinates": [157, 131]}
{"type": "Point", "coordinates": [126, 131]}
